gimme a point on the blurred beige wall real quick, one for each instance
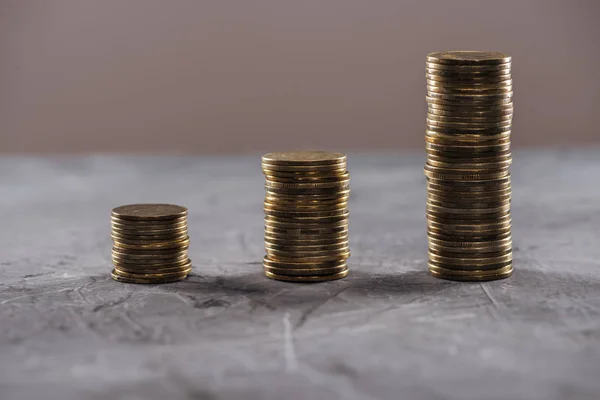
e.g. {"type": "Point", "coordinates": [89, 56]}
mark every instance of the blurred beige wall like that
{"type": "Point", "coordinates": [252, 75]}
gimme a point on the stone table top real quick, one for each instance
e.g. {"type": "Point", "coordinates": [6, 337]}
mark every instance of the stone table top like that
{"type": "Point", "coordinates": [388, 331]}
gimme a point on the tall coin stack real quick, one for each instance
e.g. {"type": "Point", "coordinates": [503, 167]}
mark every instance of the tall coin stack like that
{"type": "Point", "coordinates": [306, 216]}
{"type": "Point", "coordinates": [150, 243]}
{"type": "Point", "coordinates": [470, 109]}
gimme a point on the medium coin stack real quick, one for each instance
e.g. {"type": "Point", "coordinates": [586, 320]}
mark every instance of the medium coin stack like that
{"type": "Point", "coordinates": [306, 216]}
{"type": "Point", "coordinates": [470, 109]}
{"type": "Point", "coordinates": [150, 243]}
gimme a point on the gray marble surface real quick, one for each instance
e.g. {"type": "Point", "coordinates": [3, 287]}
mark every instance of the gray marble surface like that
{"type": "Point", "coordinates": [388, 331]}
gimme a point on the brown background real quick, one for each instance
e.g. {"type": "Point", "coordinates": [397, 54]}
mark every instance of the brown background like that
{"type": "Point", "coordinates": [251, 75]}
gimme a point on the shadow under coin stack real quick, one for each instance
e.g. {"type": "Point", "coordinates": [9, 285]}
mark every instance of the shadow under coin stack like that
{"type": "Point", "coordinates": [150, 243]}
{"type": "Point", "coordinates": [470, 109]}
{"type": "Point", "coordinates": [306, 216]}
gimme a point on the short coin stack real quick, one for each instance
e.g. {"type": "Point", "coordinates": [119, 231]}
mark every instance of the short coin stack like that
{"type": "Point", "coordinates": [470, 109]}
{"type": "Point", "coordinates": [306, 216]}
{"type": "Point", "coordinates": [150, 243]}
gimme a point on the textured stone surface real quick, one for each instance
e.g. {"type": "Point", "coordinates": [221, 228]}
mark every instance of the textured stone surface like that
{"type": "Point", "coordinates": [388, 331]}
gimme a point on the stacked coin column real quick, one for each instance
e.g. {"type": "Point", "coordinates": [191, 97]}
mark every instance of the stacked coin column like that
{"type": "Point", "coordinates": [150, 243]}
{"type": "Point", "coordinates": [306, 216]}
{"type": "Point", "coordinates": [470, 109]}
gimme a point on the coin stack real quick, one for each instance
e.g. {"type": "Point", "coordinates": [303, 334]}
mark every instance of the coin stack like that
{"type": "Point", "coordinates": [150, 243]}
{"type": "Point", "coordinates": [470, 109]}
{"type": "Point", "coordinates": [306, 216]}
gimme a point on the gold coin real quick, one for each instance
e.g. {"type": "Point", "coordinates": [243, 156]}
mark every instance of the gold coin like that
{"type": "Point", "coordinates": [150, 263]}
{"type": "Point", "coordinates": [454, 236]}
{"type": "Point", "coordinates": [287, 257]}
{"type": "Point", "coordinates": [131, 239]}
{"type": "Point", "coordinates": [305, 208]}
{"type": "Point", "coordinates": [468, 244]}
{"type": "Point", "coordinates": [144, 212]}
{"type": "Point", "coordinates": [475, 85]}
{"type": "Point", "coordinates": [473, 186]}
{"type": "Point", "coordinates": [470, 263]}
{"type": "Point", "coordinates": [457, 112]}
{"type": "Point", "coordinates": [503, 87]}
{"type": "Point", "coordinates": [178, 244]}
{"type": "Point", "coordinates": [469, 119]}
{"type": "Point", "coordinates": [117, 277]}
{"type": "Point", "coordinates": [502, 273]}
{"type": "Point", "coordinates": [342, 184]}
{"type": "Point", "coordinates": [307, 234]}
{"type": "Point", "coordinates": [341, 212]}
{"type": "Point", "coordinates": [301, 220]}
{"type": "Point", "coordinates": [152, 269]}
{"type": "Point", "coordinates": [436, 125]}
{"type": "Point", "coordinates": [150, 225]}
{"type": "Point", "coordinates": [463, 175]}
{"type": "Point", "coordinates": [297, 178]}
{"type": "Point", "coordinates": [483, 249]}
{"type": "Point", "coordinates": [307, 169]}
{"type": "Point", "coordinates": [303, 158]}
{"type": "Point", "coordinates": [149, 253]}
{"type": "Point", "coordinates": [318, 249]}
{"type": "Point", "coordinates": [302, 264]}
{"type": "Point", "coordinates": [306, 271]}
{"type": "Point", "coordinates": [315, 278]}
{"type": "Point", "coordinates": [468, 57]}
{"type": "Point", "coordinates": [466, 79]}
{"type": "Point", "coordinates": [503, 209]}
{"type": "Point", "coordinates": [152, 275]}
{"type": "Point", "coordinates": [149, 232]}
{"type": "Point", "coordinates": [296, 240]}
{"type": "Point", "coordinates": [467, 68]}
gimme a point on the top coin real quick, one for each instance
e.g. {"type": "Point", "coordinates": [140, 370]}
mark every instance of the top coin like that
{"type": "Point", "coordinates": [468, 58]}
{"type": "Point", "coordinates": [301, 158]}
{"type": "Point", "coordinates": [153, 212]}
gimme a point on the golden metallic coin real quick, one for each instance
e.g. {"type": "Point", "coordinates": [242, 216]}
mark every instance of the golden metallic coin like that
{"type": "Point", "coordinates": [287, 257]}
{"type": "Point", "coordinates": [152, 275]}
{"type": "Point", "coordinates": [306, 279]}
{"type": "Point", "coordinates": [341, 184]}
{"type": "Point", "coordinates": [178, 244]}
{"type": "Point", "coordinates": [457, 112]}
{"type": "Point", "coordinates": [309, 249]}
{"type": "Point", "coordinates": [305, 207]}
{"type": "Point", "coordinates": [467, 68]}
{"type": "Point", "coordinates": [467, 80]}
{"type": "Point", "coordinates": [471, 97]}
{"type": "Point", "coordinates": [302, 264]}
{"type": "Point", "coordinates": [119, 278]}
{"type": "Point", "coordinates": [307, 169]}
{"type": "Point", "coordinates": [503, 87]}
{"type": "Point", "coordinates": [469, 119]}
{"type": "Point", "coordinates": [307, 234]}
{"type": "Point", "coordinates": [468, 57]}
{"type": "Point", "coordinates": [341, 212]}
{"type": "Point", "coordinates": [303, 158]}
{"type": "Point", "coordinates": [152, 269]}
{"type": "Point", "coordinates": [463, 244]}
{"type": "Point", "coordinates": [144, 212]}
{"type": "Point", "coordinates": [340, 218]}
{"type": "Point", "coordinates": [296, 178]}
{"type": "Point", "coordinates": [453, 236]}
{"type": "Point", "coordinates": [503, 209]}
{"type": "Point", "coordinates": [296, 240]}
{"type": "Point", "coordinates": [306, 271]}
{"type": "Point", "coordinates": [483, 249]}
{"type": "Point", "coordinates": [148, 232]}
{"type": "Point", "coordinates": [471, 263]}
{"type": "Point", "coordinates": [150, 225]}
{"type": "Point", "coordinates": [463, 175]}
{"type": "Point", "coordinates": [474, 85]}
{"type": "Point", "coordinates": [311, 223]}
{"type": "Point", "coordinates": [147, 239]}
{"type": "Point", "coordinates": [149, 263]}
{"type": "Point", "coordinates": [501, 273]}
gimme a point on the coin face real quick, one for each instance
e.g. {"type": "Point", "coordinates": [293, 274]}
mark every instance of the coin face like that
{"type": "Point", "coordinates": [136, 212]}
{"type": "Point", "coordinates": [468, 57]}
{"type": "Point", "coordinates": [304, 158]}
